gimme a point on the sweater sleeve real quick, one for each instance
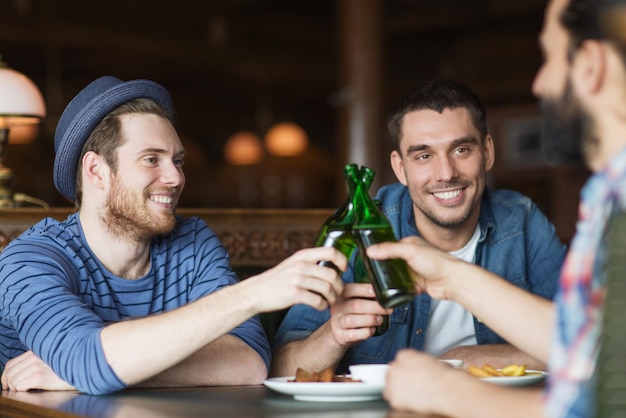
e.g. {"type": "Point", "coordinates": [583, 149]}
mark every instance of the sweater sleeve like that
{"type": "Point", "coordinates": [39, 299]}
{"type": "Point", "coordinates": [213, 272]}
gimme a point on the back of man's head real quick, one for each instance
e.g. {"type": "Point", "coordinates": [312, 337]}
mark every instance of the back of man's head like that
{"type": "Point", "coordinates": [602, 20]}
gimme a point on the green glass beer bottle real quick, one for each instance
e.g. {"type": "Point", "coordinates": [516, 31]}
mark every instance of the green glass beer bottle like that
{"type": "Point", "coordinates": [360, 276]}
{"type": "Point", "coordinates": [391, 279]}
{"type": "Point", "coordinates": [360, 273]}
{"type": "Point", "coordinates": [337, 230]}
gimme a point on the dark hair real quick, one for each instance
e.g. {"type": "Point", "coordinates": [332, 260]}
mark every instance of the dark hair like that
{"type": "Point", "coordinates": [106, 137]}
{"type": "Point", "coordinates": [437, 95]}
{"type": "Point", "coordinates": [602, 20]}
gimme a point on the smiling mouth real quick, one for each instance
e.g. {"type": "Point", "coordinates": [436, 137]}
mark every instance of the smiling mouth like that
{"type": "Point", "coordinates": [167, 200]}
{"type": "Point", "coordinates": [448, 194]}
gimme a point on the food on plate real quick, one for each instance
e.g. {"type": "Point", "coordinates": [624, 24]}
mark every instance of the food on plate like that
{"type": "Point", "coordinates": [306, 376]}
{"type": "Point", "coordinates": [514, 370]}
{"type": "Point", "coordinates": [490, 371]}
{"type": "Point", "coordinates": [326, 375]}
{"type": "Point", "coordinates": [478, 371]}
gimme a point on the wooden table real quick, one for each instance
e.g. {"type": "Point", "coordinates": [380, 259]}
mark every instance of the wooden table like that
{"type": "Point", "coordinates": [238, 401]}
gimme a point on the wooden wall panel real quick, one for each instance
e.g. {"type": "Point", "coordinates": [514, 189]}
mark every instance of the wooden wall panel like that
{"type": "Point", "coordinates": [254, 237]}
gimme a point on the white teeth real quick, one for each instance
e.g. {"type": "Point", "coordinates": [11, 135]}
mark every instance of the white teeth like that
{"type": "Point", "coordinates": [162, 199]}
{"type": "Point", "coordinates": [447, 195]}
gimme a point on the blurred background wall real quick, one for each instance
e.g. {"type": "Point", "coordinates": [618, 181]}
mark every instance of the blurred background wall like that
{"type": "Point", "coordinates": [333, 67]}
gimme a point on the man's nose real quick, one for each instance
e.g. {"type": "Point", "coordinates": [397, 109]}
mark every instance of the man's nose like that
{"type": "Point", "coordinates": [537, 86]}
{"type": "Point", "coordinates": [172, 175]}
{"type": "Point", "coordinates": [446, 169]}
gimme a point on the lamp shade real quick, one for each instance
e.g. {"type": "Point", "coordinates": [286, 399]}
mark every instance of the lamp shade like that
{"type": "Point", "coordinates": [21, 102]}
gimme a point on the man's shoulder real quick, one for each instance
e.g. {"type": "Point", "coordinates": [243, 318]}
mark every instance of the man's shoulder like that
{"type": "Point", "coordinates": [188, 232]}
{"type": "Point", "coordinates": [191, 225]}
{"type": "Point", "coordinates": [391, 192]}
{"type": "Point", "coordinates": [511, 211]}
{"type": "Point", "coordinates": [392, 196]}
{"type": "Point", "coordinates": [507, 200]}
{"type": "Point", "coordinates": [48, 241]}
{"type": "Point", "coordinates": [394, 199]}
{"type": "Point", "coordinates": [51, 229]}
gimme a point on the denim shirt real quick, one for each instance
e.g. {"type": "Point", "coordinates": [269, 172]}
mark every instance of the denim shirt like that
{"type": "Point", "coordinates": [517, 242]}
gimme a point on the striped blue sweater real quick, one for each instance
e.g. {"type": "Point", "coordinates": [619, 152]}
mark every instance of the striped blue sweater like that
{"type": "Point", "coordinates": [56, 296]}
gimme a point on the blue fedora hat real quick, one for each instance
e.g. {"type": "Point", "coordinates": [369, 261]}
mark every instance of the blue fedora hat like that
{"type": "Point", "coordinates": [82, 115]}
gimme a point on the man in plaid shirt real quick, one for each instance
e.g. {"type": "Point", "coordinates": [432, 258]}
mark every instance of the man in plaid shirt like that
{"type": "Point", "coordinates": [582, 84]}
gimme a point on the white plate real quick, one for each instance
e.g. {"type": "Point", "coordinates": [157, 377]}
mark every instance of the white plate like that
{"type": "Point", "coordinates": [326, 392]}
{"type": "Point", "coordinates": [530, 378]}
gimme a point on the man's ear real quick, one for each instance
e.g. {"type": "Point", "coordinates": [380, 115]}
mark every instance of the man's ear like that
{"type": "Point", "coordinates": [490, 152]}
{"type": "Point", "coordinates": [398, 166]}
{"type": "Point", "coordinates": [589, 67]}
{"type": "Point", "coordinates": [95, 170]}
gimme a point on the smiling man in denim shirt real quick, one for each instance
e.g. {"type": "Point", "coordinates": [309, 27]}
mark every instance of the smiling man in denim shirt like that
{"type": "Point", "coordinates": [442, 154]}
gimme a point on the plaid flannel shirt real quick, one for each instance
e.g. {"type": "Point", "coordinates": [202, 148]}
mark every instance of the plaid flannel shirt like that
{"type": "Point", "coordinates": [580, 299]}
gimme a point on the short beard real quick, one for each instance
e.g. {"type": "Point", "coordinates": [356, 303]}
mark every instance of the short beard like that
{"type": "Point", "coordinates": [447, 224]}
{"type": "Point", "coordinates": [566, 130]}
{"type": "Point", "coordinates": [128, 217]}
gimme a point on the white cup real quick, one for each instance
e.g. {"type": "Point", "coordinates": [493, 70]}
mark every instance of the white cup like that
{"type": "Point", "coordinates": [369, 373]}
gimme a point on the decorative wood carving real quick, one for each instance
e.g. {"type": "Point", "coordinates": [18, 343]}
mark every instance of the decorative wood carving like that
{"type": "Point", "coordinates": [253, 237]}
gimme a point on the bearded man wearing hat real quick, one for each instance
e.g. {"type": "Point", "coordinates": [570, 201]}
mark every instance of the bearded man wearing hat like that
{"type": "Point", "coordinates": [123, 292]}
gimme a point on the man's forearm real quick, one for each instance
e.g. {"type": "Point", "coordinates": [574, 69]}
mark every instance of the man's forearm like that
{"type": "Point", "coordinates": [496, 355]}
{"type": "Point", "coordinates": [226, 361]}
{"type": "Point", "coordinates": [317, 352]}
{"type": "Point", "coordinates": [486, 400]}
{"type": "Point", "coordinates": [520, 317]}
{"type": "Point", "coordinates": [131, 349]}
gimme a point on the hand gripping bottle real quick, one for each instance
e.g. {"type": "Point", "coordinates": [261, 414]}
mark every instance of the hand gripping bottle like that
{"type": "Point", "coordinates": [391, 279]}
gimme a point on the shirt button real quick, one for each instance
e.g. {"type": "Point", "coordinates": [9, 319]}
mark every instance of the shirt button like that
{"type": "Point", "coordinates": [418, 331]}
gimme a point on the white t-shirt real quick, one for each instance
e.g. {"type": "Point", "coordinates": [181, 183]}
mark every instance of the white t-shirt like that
{"type": "Point", "coordinates": [449, 324]}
